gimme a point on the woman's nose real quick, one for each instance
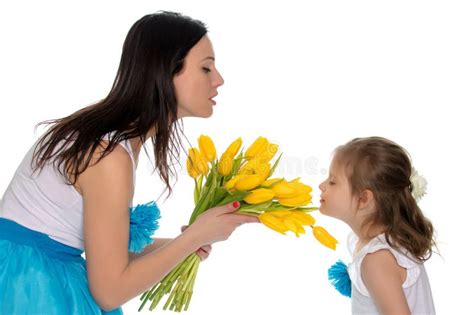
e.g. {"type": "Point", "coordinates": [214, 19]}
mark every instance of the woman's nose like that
{"type": "Point", "coordinates": [218, 80]}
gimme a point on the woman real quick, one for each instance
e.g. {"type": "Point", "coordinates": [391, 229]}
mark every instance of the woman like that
{"type": "Point", "coordinates": [73, 190]}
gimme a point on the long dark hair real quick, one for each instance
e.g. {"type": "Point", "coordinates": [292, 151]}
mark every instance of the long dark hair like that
{"type": "Point", "coordinates": [142, 97]}
{"type": "Point", "coordinates": [384, 167]}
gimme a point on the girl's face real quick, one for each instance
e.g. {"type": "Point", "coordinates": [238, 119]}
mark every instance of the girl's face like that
{"type": "Point", "coordinates": [196, 85]}
{"type": "Point", "coordinates": [337, 199]}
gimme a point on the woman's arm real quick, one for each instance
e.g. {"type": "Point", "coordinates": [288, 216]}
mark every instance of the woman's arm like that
{"type": "Point", "coordinates": [383, 277]}
{"type": "Point", "coordinates": [202, 252]}
{"type": "Point", "coordinates": [157, 243]}
{"type": "Point", "coordinates": [113, 278]}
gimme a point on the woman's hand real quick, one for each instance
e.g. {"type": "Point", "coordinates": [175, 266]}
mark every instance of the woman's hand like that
{"type": "Point", "coordinates": [217, 224]}
{"type": "Point", "coordinates": [204, 251]}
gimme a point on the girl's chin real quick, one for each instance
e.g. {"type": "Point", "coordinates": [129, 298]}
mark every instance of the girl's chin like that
{"type": "Point", "coordinates": [322, 209]}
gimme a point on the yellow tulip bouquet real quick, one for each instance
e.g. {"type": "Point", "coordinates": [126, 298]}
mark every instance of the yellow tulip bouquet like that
{"type": "Point", "coordinates": [245, 177]}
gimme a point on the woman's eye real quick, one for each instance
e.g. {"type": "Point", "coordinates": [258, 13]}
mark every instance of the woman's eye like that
{"type": "Point", "coordinates": [331, 182]}
{"type": "Point", "coordinates": [205, 69]}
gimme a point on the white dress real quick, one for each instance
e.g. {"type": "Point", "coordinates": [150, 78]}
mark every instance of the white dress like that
{"type": "Point", "coordinates": [416, 286]}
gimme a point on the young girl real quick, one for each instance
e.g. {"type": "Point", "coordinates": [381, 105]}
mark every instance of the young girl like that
{"type": "Point", "coordinates": [73, 190]}
{"type": "Point", "coordinates": [369, 188]}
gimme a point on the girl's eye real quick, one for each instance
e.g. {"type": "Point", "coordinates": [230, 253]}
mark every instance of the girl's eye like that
{"type": "Point", "coordinates": [331, 182]}
{"type": "Point", "coordinates": [206, 70]}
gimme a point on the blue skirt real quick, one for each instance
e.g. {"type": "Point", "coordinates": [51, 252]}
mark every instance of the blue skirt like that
{"type": "Point", "coordinates": [39, 275]}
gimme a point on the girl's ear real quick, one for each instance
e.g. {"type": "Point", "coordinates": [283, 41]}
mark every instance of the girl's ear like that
{"type": "Point", "coordinates": [366, 198]}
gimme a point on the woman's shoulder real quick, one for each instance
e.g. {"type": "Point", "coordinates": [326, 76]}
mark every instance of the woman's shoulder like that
{"type": "Point", "coordinates": [114, 168]}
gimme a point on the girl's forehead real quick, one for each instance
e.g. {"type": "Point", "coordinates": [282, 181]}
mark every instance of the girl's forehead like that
{"type": "Point", "coordinates": [338, 169]}
{"type": "Point", "coordinates": [335, 167]}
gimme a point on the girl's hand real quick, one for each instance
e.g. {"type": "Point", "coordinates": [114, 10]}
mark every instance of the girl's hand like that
{"type": "Point", "coordinates": [204, 251]}
{"type": "Point", "coordinates": [217, 224]}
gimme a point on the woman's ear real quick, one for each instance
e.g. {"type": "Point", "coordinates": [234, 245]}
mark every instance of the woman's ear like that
{"type": "Point", "coordinates": [366, 199]}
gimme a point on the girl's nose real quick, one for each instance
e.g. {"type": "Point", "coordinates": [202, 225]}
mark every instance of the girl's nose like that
{"type": "Point", "coordinates": [321, 186]}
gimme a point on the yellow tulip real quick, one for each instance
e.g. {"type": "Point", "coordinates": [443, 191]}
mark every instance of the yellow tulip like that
{"type": "Point", "coordinates": [248, 168]}
{"type": "Point", "coordinates": [302, 217]}
{"type": "Point", "coordinates": [207, 147]}
{"type": "Point", "coordinates": [259, 144]}
{"type": "Point", "coordinates": [324, 237]}
{"type": "Point", "coordinates": [298, 201]}
{"type": "Point", "coordinates": [198, 162]}
{"type": "Point", "coordinates": [248, 182]}
{"type": "Point", "coordinates": [256, 166]}
{"type": "Point", "coordinates": [273, 223]}
{"type": "Point", "coordinates": [259, 195]}
{"type": "Point", "coordinates": [225, 165]}
{"type": "Point", "coordinates": [300, 187]}
{"type": "Point", "coordinates": [263, 169]}
{"type": "Point", "coordinates": [284, 190]}
{"type": "Point", "coordinates": [280, 213]}
{"type": "Point", "coordinates": [270, 182]}
{"type": "Point", "coordinates": [231, 183]}
{"type": "Point", "coordinates": [191, 170]}
{"type": "Point", "coordinates": [233, 148]}
{"type": "Point", "coordinates": [293, 226]}
{"type": "Point", "coordinates": [267, 152]}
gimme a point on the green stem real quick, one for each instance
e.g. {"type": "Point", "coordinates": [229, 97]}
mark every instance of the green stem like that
{"type": "Point", "coordinates": [254, 212]}
{"type": "Point", "coordinates": [189, 292]}
{"type": "Point", "coordinates": [181, 279]}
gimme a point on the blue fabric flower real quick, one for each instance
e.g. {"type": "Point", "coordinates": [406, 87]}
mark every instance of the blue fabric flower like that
{"type": "Point", "coordinates": [143, 224]}
{"type": "Point", "coordinates": [339, 278]}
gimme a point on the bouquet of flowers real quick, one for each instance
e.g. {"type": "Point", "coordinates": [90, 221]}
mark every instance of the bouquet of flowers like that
{"type": "Point", "coordinates": [245, 177]}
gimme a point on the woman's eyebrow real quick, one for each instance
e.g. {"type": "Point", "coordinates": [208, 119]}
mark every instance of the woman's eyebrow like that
{"type": "Point", "coordinates": [209, 57]}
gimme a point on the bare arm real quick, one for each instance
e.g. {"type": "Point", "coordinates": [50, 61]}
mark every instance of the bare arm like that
{"type": "Point", "coordinates": [114, 278]}
{"type": "Point", "coordinates": [202, 252]}
{"type": "Point", "coordinates": [383, 277]}
{"type": "Point", "coordinates": [157, 243]}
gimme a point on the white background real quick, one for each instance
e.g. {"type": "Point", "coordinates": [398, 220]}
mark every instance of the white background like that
{"type": "Point", "coordinates": [307, 76]}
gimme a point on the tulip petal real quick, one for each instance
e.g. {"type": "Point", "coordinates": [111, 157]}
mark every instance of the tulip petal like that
{"type": "Point", "coordinates": [324, 237]}
{"type": "Point", "coordinates": [284, 190]}
{"type": "Point", "coordinates": [273, 223]}
{"type": "Point", "coordinates": [234, 148]}
{"type": "Point", "coordinates": [293, 226]}
{"type": "Point", "coordinates": [298, 201]}
{"type": "Point", "coordinates": [259, 195]}
{"type": "Point", "coordinates": [206, 145]}
{"type": "Point", "coordinates": [248, 182]}
{"type": "Point", "coordinates": [255, 147]}
{"type": "Point", "coordinates": [302, 217]}
{"type": "Point", "coordinates": [225, 165]}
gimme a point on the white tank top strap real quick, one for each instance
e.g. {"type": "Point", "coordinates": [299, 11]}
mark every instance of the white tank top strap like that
{"type": "Point", "coordinates": [380, 243]}
{"type": "Point", "coordinates": [128, 147]}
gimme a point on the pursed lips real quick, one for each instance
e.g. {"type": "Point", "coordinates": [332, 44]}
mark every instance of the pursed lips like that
{"type": "Point", "coordinates": [211, 98]}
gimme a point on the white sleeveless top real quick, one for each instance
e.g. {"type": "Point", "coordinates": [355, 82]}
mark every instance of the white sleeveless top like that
{"type": "Point", "coordinates": [44, 202]}
{"type": "Point", "coordinates": [416, 286]}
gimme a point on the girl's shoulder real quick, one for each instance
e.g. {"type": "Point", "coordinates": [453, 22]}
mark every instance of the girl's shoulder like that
{"type": "Point", "coordinates": [378, 243]}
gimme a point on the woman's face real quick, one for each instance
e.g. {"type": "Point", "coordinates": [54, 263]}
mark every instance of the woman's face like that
{"type": "Point", "coordinates": [196, 84]}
